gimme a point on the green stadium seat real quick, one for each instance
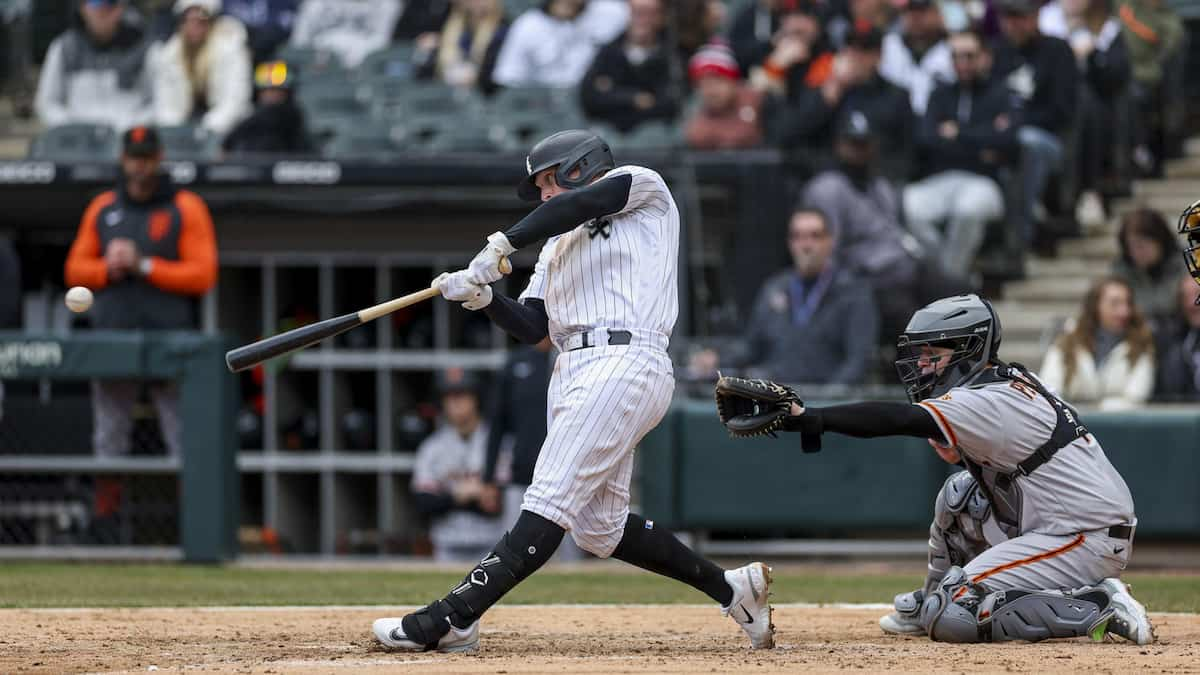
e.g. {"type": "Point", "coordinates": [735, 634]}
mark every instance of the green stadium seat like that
{"type": "Point", "coordinates": [394, 63]}
{"type": "Point", "coordinates": [332, 96]}
{"type": "Point", "coordinates": [188, 143]}
{"type": "Point", "coordinates": [439, 133]}
{"type": "Point", "coordinates": [309, 62]}
{"type": "Point", "coordinates": [535, 98]}
{"type": "Point", "coordinates": [76, 143]}
{"type": "Point", "coordinates": [370, 141]}
{"type": "Point", "coordinates": [394, 101]}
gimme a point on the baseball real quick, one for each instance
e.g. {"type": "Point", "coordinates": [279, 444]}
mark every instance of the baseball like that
{"type": "Point", "coordinates": [79, 299]}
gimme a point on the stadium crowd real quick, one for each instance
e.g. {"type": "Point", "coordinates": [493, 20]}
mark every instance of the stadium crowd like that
{"type": "Point", "coordinates": [923, 128]}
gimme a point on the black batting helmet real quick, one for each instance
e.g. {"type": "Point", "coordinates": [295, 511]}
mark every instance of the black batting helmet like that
{"type": "Point", "coordinates": [568, 150]}
{"type": "Point", "coordinates": [967, 324]}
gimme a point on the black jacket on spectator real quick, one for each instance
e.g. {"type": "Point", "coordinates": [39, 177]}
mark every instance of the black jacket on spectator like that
{"type": "Point", "coordinates": [610, 85]}
{"type": "Point", "coordinates": [1043, 77]}
{"type": "Point", "coordinates": [750, 35]}
{"type": "Point", "coordinates": [811, 123]}
{"type": "Point", "coordinates": [275, 128]}
{"type": "Point", "coordinates": [1179, 365]}
{"type": "Point", "coordinates": [520, 413]}
{"type": "Point", "coordinates": [836, 346]}
{"type": "Point", "coordinates": [974, 109]}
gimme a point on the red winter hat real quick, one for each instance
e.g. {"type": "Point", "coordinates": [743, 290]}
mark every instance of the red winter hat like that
{"type": "Point", "coordinates": [714, 58]}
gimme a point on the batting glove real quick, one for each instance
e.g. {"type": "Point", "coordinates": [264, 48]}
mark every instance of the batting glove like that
{"type": "Point", "coordinates": [456, 287]}
{"type": "Point", "coordinates": [485, 266]}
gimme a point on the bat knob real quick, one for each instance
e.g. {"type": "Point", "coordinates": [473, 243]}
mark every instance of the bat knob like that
{"type": "Point", "coordinates": [505, 266]}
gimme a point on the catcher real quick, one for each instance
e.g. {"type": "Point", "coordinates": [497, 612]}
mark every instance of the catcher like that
{"type": "Point", "coordinates": [1189, 227]}
{"type": "Point", "coordinates": [1028, 542]}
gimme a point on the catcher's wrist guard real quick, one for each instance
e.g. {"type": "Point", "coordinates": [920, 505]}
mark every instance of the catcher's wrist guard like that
{"type": "Point", "coordinates": [761, 407]}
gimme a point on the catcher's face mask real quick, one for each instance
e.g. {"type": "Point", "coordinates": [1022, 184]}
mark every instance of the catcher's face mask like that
{"type": "Point", "coordinates": [929, 368]}
{"type": "Point", "coordinates": [1189, 226]}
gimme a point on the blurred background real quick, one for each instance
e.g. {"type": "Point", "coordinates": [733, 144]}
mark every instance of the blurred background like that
{"type": "Point", "coordinates": [837, 164]}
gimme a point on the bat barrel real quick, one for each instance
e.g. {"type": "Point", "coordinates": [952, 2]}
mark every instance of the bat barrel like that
{"type": "Point", "coordinates": [256, 352]}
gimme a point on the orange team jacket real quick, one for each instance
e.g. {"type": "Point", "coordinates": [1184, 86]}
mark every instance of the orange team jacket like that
{"type": "Point", "coordinates": [174, 230]}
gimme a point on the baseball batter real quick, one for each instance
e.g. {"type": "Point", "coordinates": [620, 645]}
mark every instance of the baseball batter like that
{"type": "Point", "coordinates": [1028, 542]}
{"type": "Point", "coordinates": [604, 290]}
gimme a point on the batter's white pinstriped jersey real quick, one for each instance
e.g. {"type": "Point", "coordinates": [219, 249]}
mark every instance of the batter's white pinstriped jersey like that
{"type": "Point", "coordinates": [616, 272]}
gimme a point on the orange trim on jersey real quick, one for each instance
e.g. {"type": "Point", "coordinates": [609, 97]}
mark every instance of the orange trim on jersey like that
{"type": "Point", "coordinates": [942, 422]}
{"type": "Point", "coordinates": [819, 71]}
{"type": "Point", "coordinates": [85, 264]}
{"type": "Point", "coordinates": [1137, 27]}
{"type": "Point", "coordinates": [195, 272]}
{"type": "Point", "coordinates": [1075, 543]}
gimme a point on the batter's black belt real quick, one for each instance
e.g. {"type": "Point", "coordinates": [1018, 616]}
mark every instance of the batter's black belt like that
{"type": "Point", "coordinates": [615, 337]}
{"type": "Point", "coordinates": [1120, 531]}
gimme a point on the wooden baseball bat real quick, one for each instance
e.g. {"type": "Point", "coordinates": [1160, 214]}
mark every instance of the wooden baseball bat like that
{"type": "Point", "coordinates": [296, 339]}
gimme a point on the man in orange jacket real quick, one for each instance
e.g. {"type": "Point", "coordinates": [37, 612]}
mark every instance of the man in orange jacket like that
{"type": "Point", "coordinates": [147, 250]}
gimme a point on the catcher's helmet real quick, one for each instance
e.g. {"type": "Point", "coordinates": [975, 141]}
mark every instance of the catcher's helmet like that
{"type": "Point", "coordinates": [965, 323]}
{"type": "Point", "coordinates": [1189, 226]}
{"type": "Point", "coordinates": [568, 150]}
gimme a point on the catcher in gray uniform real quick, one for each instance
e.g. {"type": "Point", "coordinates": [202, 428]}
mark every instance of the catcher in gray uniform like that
{"type": "Point", "coordinates": [1028, 542]}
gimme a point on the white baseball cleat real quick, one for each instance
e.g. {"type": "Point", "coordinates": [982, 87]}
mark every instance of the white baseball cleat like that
{"type": "Point", "coordinates": [751, 607]}
{"type": "Point", "coordinates": [459, 640]}
{"type": "Point", "coordinates": [1129, 619]}
{"type": "Point", "coordinates": [906, 619]}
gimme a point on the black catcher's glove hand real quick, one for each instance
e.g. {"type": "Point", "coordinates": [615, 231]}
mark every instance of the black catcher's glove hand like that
{"type": "Point", "coordinates": [753, 407]}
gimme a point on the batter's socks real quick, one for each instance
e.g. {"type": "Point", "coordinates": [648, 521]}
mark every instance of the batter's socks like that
{"type": "Point", "coordinates": [519, 553]}
{"type": "Point", "coordinates": [660, 552]}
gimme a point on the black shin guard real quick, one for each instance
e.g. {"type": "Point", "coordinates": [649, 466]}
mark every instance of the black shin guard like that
{"type": "Point", "coordinates": [519, 553]}
{"type": "Point", "coordinates": [660, 552]}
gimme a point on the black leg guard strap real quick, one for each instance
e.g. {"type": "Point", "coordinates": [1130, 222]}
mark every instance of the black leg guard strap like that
{"type": "Point", "coordinates": [518, 554]}
{"type": "Point", "coordinates": [660, 552]}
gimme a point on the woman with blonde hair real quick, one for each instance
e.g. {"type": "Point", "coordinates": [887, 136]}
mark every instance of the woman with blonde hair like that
{"type": "Point", "coordinates": [1106, 355]}
{"type": "Point", "coordinates": [464, 53]}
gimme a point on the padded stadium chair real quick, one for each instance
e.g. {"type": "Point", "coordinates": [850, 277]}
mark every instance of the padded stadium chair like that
{"type": "Point", "coordinates": [395, 101]}
{"type": "Point", "coordinates": [309, 62]}
{"type": "Point", "coordinates": [447, 134]}
{"type": "Point", "coordinates": [369, 141]}
{"type": "Point", "coordinates": [527, 99]}
{"type": "Point", "coordinates": [328, 97]}
{"type": "Point", "coordinates": [188, 143]}
{"type": "Point", "coordinates": [394, 63]}
{"type": "Point", "coordinates": [76, 143]}
{"type": "Point", "coordinates": [648, 136]}
{"type": "Point", "coordinates": [526, 127]}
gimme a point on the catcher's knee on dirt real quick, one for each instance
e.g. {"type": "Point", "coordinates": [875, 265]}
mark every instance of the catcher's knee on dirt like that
{"type": "Point", "coordinates": [960, 611]}
{"type": "Point", "coordinates": [956, 535]}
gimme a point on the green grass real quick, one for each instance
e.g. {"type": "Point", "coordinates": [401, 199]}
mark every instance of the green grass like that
{"type": "Point", "coordinates": [134, 585]}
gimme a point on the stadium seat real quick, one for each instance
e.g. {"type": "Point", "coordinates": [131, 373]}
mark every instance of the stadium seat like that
{"type": "Point", "coordinates": [188, 143]}
{"type": "Point", "coordinates": [394, 63]}
{"type": "Point", "coordinates": [526, 127]}
{"type": "Point", "coordinates": [394, 101]}
{"type": "Point", "coordinates": [648, 136]}
{"type": "Point", "coordinates": [440, 133]}
{"type": "Point", "coordinates": [76, 143]}
{"type": "Point", "coordinates": [366, 141]}
{"type": "Point", "coordinates": [527, 99]}
{"type": "Point", "coordinates": [332, 96]}
{"type": "Point", "coordinates": [309, 62]}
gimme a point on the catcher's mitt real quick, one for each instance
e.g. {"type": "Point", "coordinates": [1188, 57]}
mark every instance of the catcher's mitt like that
{"type": "Point", "coordinates": [753, 407]}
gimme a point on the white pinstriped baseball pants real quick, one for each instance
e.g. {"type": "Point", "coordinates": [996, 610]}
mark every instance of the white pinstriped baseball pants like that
{"type": "Point", "coordinates": [602, 401]}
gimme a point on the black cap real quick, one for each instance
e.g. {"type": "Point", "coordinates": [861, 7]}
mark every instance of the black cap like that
{"type": "Point", "coordinates": [1022, 7]}
{"type": "Point", "coordinates": [919, 4]}
{"type": "Point", "coordinates": [457, 381]}
{"type": "Point", "coordinates": [855, 126]}
{"type": "Point", "coordinates": [864, 35]}
{"type": "Point", "coordinates": [141, 141]}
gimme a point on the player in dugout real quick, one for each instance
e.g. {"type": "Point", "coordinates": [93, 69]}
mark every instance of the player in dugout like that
{"type": "Point", "coordinates": [148, 251]}
{"type": "Point", "coordinates": [1027, 543]}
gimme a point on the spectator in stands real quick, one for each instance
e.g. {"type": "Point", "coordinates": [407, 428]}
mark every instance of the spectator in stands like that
{"type": "Point", "coordinates": [16, 58]}
{"type": "Point", "coordinates": [964, 138]}
{"type": "Point", "coordinates": [799, 59]}
{"type": "Point", "coordinates": [268, 23]}
{"type": "Point", "coordinates": [96, 72]}
{"type": "Point", "coordinates": [754, 33]}
{"type": "Point", "coordinates": [1105, 357]}
{"type": "Point", "coordinates": [553, 45]}
{"type": "Point", "coordinates": [463, 54]}
{"type": "Point", "coordinates": [446, 483]}
{"type": "Point", "coordinates": [853, 85]}
{"type": "Point", "coordinates": [1149, 263]}
{"type": "Point", "coordinates": [202, 74]}
{"type": "Point", "coordinates": [697, 23]}
{"type": "Point", "coordinates": [148, 251]}
{"type": "Point", "coordinates": [1179, 366]}
{"type": "Point", "coordinates": [863, 211]}
{"type": "Point", "coordinates": [421, 18]}
{"type": "Point", "coordinates": [728, 117]}
{"type": "Point", "coordinates": [814, 323]}
{"type": "Point", "coordinates": [847, 16]}
{"type": "Point", "coordinates": [1154, 35]}
{"type": "Point", "coordinates": [1041, 73]}
{"type": "Point", "coordinates": [630, 81]}
{"type": "Point", "coordinates": [916, 57]}
{"type": "Point", "coordinates": [352, 30]}
{"type": "Point", "coordinates": [516, 431]}
{"type": "Point", "coordinates": [277, 123]}
{"type": "Point", "coordinates": [1094, 35]}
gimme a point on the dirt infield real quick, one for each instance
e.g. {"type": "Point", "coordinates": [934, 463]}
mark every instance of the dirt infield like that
{"type": "Point", "coordinates": [573, 639]}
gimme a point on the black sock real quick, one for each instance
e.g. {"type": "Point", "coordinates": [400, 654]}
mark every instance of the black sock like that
{"type": "Point", "coordinates": [660, 552]}
{"type": "Point", "coordinates": [519, 553]}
